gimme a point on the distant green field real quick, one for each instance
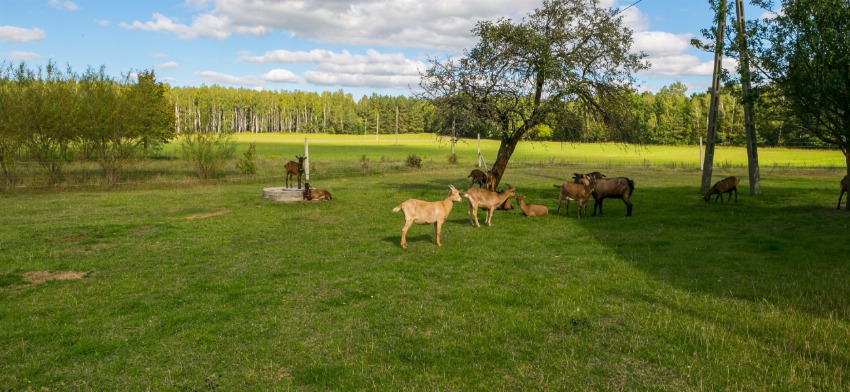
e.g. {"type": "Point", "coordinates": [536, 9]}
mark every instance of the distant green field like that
{"type": "Point", "coordinates": [436, 148]}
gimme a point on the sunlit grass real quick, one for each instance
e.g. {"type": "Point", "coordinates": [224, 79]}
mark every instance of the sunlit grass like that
{"type": "Point", "coordinates": [212, 287]}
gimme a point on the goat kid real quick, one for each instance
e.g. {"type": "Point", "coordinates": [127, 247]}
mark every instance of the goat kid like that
{"type": "Point", "coordinates": [426, 212]}
{"type": "Point", "coordinates": [579, 191]}
{"type": "Point", "coordinates": [486, 199]}
{"type": "Point", "coordinates": [843, 191]}
{"type": "Point", "coordinates": [294, 169]}
{"type": "Point", "coordinates": [531, 209]}
{"type": "Point", "coordinates": [726, 185]}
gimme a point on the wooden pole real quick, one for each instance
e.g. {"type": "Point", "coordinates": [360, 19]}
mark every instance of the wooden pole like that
{"type": "Point", "coordinates": [711, 133]}
{"type": "Point", "coordinates": [306, 165]}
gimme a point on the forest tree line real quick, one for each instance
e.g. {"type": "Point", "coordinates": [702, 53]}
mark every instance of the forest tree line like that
{"type": "Point", "coordinates": [54, 117]}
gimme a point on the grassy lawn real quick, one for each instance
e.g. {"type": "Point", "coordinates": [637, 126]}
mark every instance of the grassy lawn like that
{"type": "Point", "coordinates": [212, 287]}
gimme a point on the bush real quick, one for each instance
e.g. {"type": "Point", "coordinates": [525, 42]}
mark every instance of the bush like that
{"type": "Point", "coordinates": [207, 152]}
{"type": "Point", "coordinates": [246, 164]}
{"type": "Point", "coordinates": [453, 159]}
{"type": "Point", "coordinates": [413, 161]}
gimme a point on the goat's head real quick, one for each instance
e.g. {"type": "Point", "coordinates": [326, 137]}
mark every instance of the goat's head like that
{"type": "Point", "coordinates": [454, 194]}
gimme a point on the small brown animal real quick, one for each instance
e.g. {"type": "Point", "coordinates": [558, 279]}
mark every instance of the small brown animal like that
{"type": "Point", "coordinates": [294, 169]}
{"type": "Point", "coordinates": [579, 192]}
{"type": "Point", "coordinates": [726, 185]}
{"type": "Point", "coordinates": [478, 177]}
{"type": "Point", "coordinates": [843, 191]}
{"type": "Point", "coordinates": [531, 209]}
{"type": "Point", "coordinates": [426, 212]}
{"type": "Point", "coordinates": [487, 200]}
{"type": "Point", "coordinates": [311, 193]}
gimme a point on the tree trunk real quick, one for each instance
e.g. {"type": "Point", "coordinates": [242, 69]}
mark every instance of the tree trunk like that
{"type": "Point", "coordinates": [749, 115]}
{"type": "Point", "coordinates": [708, 165]}
{"type": "Point", "coordinates": [506, 149]}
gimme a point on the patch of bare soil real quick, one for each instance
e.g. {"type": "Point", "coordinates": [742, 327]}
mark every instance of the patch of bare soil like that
{"type": "Point", "coordinates": [208, 214]}
{"type": "Point", "coordinates": [39, 277]}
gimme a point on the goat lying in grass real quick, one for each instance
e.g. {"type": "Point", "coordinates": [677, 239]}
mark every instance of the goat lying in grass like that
{"type": "Point", "coordinates": [613, 188]}
{"type": "Point", "coordinates": [486, 199]}
{"type": "Point", "coordinates": [426, 212]}
{"type": "Point", "coordinates": [579, 191]}
{"type": "Point", "coordinates": [843, 191]}
{"type": "Point", "coordinates": [726, 185]}
{"type": "Point", "coordinates": [294, 169]}
{"type": "Point", "coordinates": [531, 209]}
{"type": "Point", "coordinates": [311, 193]}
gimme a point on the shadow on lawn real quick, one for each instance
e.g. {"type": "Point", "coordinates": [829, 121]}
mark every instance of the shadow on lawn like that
{"type": "Point", "coordinates": [764, 248]}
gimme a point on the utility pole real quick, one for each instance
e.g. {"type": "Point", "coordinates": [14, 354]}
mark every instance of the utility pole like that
{"type": "Point", "coordinates": [749, 115]}
{"type": "Point", "coordinates": [711, 132]}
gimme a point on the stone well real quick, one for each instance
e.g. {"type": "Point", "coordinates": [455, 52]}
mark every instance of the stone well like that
{"type": "Point", "coordinates": [284, 194]}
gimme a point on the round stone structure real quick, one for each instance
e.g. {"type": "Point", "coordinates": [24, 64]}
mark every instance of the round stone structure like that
{"type": "Point", "coordinates": [284, 194]}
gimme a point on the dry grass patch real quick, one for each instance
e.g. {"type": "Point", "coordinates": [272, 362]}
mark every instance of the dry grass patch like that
{"type": "Point", "coordinates": [38, 277]}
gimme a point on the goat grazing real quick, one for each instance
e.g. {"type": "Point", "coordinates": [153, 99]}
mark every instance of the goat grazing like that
{"type": "Point", "coordinates": [614, 188]}
{"type": "Point", "coordinates": [843, 191]}
{"type": "Point", "coordinates": [579, 191]}
{"type": "Point", "coordinates": [486, 199]}
{"type": "Point", "coordinates": [726, 185]}
{"type": "Point", "coordinates": [426, 212]}
{"type": "Point", "coordinates": [478, 177]}
{"type": "Point", "coordinates": [531, 209]}
{"type": "Point", "coordinates": [311, 193]}
{"type": "Point", "coordinates": [294, 169]}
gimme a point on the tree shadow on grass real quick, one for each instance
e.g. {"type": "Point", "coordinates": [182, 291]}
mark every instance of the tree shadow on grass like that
{"type": "Point", "coordinates": [763, 248]}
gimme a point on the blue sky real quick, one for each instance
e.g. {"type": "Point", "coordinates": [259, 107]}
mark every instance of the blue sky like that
{"type": "Point", "coordinates": [361, 47]}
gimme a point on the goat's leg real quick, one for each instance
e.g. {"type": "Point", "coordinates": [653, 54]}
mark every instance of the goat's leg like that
{"type": "Point", "coordinates": [407, 223]}
{"type": "Point", "coordinates": [839, 198]}
{"type": "Point", "coordinates": [438, 227]}
{"type": "Point", "coordinates": [490, 215]}
{"type": "Point", "coordinates": [628, 206]}
{"type": "Point", "coordinates": [599, 203]}
{"type": "Point", "coordinates": [473, 213]}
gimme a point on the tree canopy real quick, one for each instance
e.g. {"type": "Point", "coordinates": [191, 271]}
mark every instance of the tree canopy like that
{"type": "Point", "coordinates": [563, 62]}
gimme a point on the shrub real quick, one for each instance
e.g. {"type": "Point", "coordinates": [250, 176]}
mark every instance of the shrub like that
{"type": "Point", "coordinates": [207, 152]}
{"type": "Point", "coordinates": [246, 164]}
{"type": "Point", "coordinates": [413, 161]}
{"type": "Point", "coordinates": [453, 159]}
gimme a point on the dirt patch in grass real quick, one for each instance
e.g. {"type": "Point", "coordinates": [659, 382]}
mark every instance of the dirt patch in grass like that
{"type": "Point", "coordinates": [207, 214]}
{"type": "Point", "coordinates": [38, 277]}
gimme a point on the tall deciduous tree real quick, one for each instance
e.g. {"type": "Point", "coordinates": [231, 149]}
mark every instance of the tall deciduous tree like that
{"type": "Point", "coordinates": [524, 74]}
{"type": "Point", "coordinates": [805, 52]}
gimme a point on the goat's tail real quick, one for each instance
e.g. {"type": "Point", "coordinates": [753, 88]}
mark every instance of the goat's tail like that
{"type": "Point", "coordinates": [397, 209]}
{"type": "Point", "coordinates": [631, 186]}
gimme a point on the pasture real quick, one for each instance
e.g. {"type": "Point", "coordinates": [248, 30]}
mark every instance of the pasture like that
{"type": "Point", "coordinates": [207, 286]}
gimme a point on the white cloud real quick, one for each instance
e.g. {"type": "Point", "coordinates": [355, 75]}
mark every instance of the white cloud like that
{"type": "Point", "coordinates": [281, 76]}
{"type": "Point", "coordinates": [659, 43]}
{"type": "Point", "coordinates": [436, 24]}
{"type": "Point", "coordinates": [159, 55]}
{"type": "Point", "coordinates": [63, 5]}
{"type": "Point", "coordinates": [167, 65]}
{"type": "Point", "coordinates": [17, 34]}
{"type": "Point", "coordinates": [23, 56]}
{"type": "Point", "coordinates": [373, 69]}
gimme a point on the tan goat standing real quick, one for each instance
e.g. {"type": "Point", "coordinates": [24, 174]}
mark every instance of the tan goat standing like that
{"type": "Point", "coordinates": [427, 212]}
{"type": "Point", "coordinates": [486, 199]}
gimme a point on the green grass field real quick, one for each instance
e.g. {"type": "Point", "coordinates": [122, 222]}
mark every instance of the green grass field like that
{"type": "Point", "coordinates": [208, 286]}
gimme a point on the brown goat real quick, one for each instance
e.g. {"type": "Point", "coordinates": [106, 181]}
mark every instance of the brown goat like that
{"type": "Point", "coordinates": [486, 199]}
{"type": "Point", "coordinates": [478, 177]}
{"type": "Point", "coordinates": [426, 212]}
{"type": "Point", "coordinates": [294, 169]}
{"type": "Point", "coordinates": [843, 191]}
{"type": "Point", "coordinates": [579, 192]}
{"type": "Point", "coordinates": [311, 193]}
{"type": "Point", "coordinates": [726, 185]}
{"type": "Point", "coordinates": [531, 209]}
{"type": "Point", "coordinates": [613, 188]}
